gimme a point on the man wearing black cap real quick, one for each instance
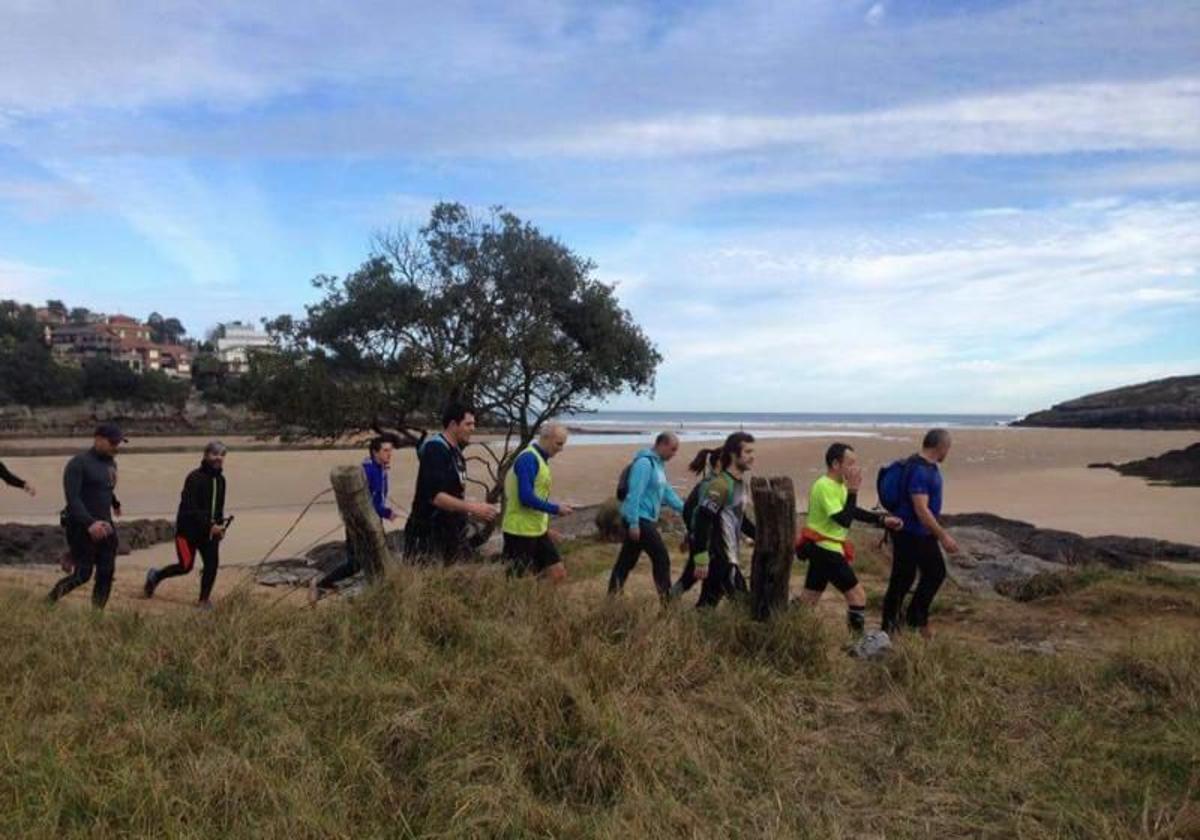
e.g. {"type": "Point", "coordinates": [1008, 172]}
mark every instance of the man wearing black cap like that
{"type": "Point", "coordinates": [199, 525]}
{"type": "Point", "coordinates": [88, 483]}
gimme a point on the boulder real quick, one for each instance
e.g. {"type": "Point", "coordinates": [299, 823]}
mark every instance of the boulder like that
{"type": "Point", "coordinates": [45, 544]}
{"type": "Point", "coordinates": [987, 563]}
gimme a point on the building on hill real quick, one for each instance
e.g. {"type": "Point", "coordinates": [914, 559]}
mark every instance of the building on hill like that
{"type": "Point", "coordinates": [122, 339]}
{"type": "Point", "coordinates": [234, 342]}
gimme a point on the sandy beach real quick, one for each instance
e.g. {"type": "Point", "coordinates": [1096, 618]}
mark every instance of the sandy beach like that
{"type": "Point", "coordinates": [1038, 475]}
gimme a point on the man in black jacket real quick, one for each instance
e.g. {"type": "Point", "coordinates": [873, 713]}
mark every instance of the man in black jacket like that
{"type": "Point", "coordinates": [88, 484]}
{"type": "Point", "coordinates": [199, 525]}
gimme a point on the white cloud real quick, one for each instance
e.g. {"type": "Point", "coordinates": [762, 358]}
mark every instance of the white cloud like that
{"type": "Point", "coordinates": [1005, 313]}
{"type": "Point", "coordinates": [875, 14]}
{"type": "Point", "coordinates": [1054, 119]}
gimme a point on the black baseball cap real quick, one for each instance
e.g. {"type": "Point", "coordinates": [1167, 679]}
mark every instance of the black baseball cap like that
{"type": "Point", "coordinates": [112, 432]}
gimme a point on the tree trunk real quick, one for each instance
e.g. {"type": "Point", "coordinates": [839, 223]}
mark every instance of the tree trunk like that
{"type": "Point", "coordinates": [774, 544]}
{"type": "Point", "coordinates": [364, 529]}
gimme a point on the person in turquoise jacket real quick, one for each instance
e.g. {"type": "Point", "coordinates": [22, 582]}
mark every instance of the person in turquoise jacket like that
{"type": "Point", "coordinates": [647, 491]}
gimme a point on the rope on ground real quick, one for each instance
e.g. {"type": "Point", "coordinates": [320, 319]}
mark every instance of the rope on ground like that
{"type": "Point", "coordinates": [286, 534]}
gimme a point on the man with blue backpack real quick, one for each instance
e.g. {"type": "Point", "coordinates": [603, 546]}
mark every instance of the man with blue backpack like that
{"type": "Point", "coordinates": [912, 490]}
{"type": "Point", "coordinates": [643, 489]}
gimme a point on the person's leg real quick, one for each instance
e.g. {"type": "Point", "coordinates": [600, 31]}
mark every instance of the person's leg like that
{"type": "Point", "coordinates": [841, 575]}
{"type": "Point", "coordinates": [932, 567]}
{"type": "Point", "coordinates": [210, 555]}
{"type": "Point", "coordinates": [185, 558]}
{"type": "Point", "coordinates": [715, 584]}
{"type": "Point", "coordinates": [627, 558]}
{"type": "Point", "coordinates": [660, 558]}
{"type": "Point", "coordinates": [82, 551]}
{"type": "Point", "coordinates": [106, 567]}
{"type": "Point", "coordinates": [817, 576]}
{"type": "Point", "coordinates": [547, 561]}
{"type": "Point", "coordinates": [518, 554]}
{"type": "Point", "coordinates": [686, 580]}
{"type": "Point", "coordinates": [904, 572]}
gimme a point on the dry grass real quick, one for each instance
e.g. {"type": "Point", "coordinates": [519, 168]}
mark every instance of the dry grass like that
{"type": "Point", "coordinates": [458, 703]}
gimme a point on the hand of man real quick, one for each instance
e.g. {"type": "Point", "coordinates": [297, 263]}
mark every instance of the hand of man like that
{"type": "Point", "coordinates": [116, 510]}
{"type": "Point", "coordinates": [635, 534]}
{"type": "Point", "coordinates": [216, 532]}
{"type": "Point", "coordinates": [701, 572]}
{"type": "Point", "coordinates": [853, 478]}
{"type": "Point", "coordinates": [949, 543]}
{"type": "Point", "coordinates": [483, 511]}
{"type": "Point", "coordinates": [30, 489]}
{"type": "Point", "coordinates": [893, 523]}
{"type": "Point", "coordinates": [99, 530]}
{"type": "Point", "coordinates": [565, 510]}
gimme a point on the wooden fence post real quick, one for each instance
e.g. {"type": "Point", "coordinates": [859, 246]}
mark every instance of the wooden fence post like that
{"type": "Point", "coordinates": [774, 544]}
{"type": "Point", "coordinates": [364, 529]}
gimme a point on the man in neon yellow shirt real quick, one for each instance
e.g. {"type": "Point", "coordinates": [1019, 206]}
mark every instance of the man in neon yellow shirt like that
{"type": "Point", "coordinates": [527, 509]}
{"type": "Point", "coordinates": [832, 508]}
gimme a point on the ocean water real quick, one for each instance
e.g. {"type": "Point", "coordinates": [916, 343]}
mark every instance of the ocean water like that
{"type": "Point", "coordinates": [631, 427]}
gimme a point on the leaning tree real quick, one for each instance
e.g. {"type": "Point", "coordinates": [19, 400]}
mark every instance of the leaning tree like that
{"type": "Point", "coordinates": [484, 309]}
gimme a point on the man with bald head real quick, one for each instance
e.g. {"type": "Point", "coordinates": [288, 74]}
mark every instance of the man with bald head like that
{"type": "Point", "coordinates": [642, 496]}
{"type": "Point", "coordinates": [527, 508]}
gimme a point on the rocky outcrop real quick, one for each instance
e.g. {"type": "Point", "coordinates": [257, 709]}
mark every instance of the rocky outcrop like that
{"type": "Point", "coordinates": [1172, 403]}
{"type": "Point", "coordinates": [1178, 468]}
{"type": "Point", "coordinates": [988, 563]}
{"type": "Point", "coordinates": [45, 544]}
{"type": "Point", "coordinates": [1072, 549]}
{"type": "Point", "coordinates": [197, 417]}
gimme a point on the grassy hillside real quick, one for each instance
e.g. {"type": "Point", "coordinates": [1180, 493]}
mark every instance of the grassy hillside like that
{"type": "Point", "coordinates": [457, 703]}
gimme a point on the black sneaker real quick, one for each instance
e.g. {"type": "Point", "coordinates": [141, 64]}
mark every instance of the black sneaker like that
{"type": "Point", "coordinates": [151, 582]}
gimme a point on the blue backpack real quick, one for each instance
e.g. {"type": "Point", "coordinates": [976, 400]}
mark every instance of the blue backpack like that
{"type": "Point", "coordinates": [891, 484]}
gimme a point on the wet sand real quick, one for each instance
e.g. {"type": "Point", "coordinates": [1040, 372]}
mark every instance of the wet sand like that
{"type": "Point", "coordinates": [1037, 475]}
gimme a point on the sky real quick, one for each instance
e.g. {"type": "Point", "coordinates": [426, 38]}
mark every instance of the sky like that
{"type": "Point", "coordinates": [815, 205]}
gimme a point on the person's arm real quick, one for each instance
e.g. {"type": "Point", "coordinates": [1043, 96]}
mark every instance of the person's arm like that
{"type": "Point", "coordinates": [921, 508]}
{"type": "Point", "coordinates": [707, 515]}
{"type": "Point", "coordinates": [378, 498]}
{"type": "Point", "coordinates": [73, 491]}
{"type": "Point", "coordinates": [672, 500]}
{"type": "Point", "coordinates": [526, 468]}
{"type": "Point", "coordinates": [853, 513]}
{"type": "Point", "coordinates": [639, 477]}
{"type": "Point", "coordinates": [442, 465]}
{"type": "Point", "coordinates": [10, 479]}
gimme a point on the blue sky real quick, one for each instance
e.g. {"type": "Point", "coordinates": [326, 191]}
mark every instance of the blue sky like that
{"type": "Point", "coordinates": [822, 205]}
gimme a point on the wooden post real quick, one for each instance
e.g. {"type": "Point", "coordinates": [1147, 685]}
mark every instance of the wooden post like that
{"type": "Point", "coordinates": [774, 544]}
{"type": "Point", "coordinates": [364, 529]}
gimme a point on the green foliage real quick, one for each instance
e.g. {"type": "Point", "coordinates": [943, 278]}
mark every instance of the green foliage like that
{"type": "Point", "coordinates": [106, 379]}
{"type": "Point", "coordinates": [487, 310]}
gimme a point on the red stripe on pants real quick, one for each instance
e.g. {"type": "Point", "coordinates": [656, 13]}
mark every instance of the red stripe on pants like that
{"type": "Point", "coordinates": [185, 553]}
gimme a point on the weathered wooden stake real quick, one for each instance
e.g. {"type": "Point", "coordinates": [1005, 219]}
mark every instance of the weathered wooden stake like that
{"type": "Point", "coordinates": [364, 530]}
{"type": "Point", "coordinates": [774, 543]}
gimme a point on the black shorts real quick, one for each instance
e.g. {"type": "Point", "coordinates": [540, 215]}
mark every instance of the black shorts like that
{"type": "Point", "coordinates": [826, 567]}
{"type": "Point", "coordinates": [525, 554]}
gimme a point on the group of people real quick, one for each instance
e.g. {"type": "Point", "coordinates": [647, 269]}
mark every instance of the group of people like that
{"type": "Point", "coordinates": [437, 527]}
{"type": "Point", "coordinates": [716, 522]}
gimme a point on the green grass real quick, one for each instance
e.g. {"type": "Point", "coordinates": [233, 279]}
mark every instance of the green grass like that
{"type": "Point", "coordinates": [450, 703]}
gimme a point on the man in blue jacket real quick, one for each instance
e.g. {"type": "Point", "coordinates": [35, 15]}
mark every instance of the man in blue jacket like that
{"type": "Point", "coordinates": [528, 546]}
{"type": "Point", "coordinates": [375, 468]}
{"type": "Point", "coordinates": [648, 490]}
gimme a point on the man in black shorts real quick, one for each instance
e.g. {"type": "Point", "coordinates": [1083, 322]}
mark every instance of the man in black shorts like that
{"type": "Point", "coordinates": [824, 540]}
{"type": "Point", "coordinates": [437, 525]}
{"type": "Point", "coordinates": [527, 509]}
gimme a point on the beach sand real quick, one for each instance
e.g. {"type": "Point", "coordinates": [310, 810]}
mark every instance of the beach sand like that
{"type": "Point", "coordinates": [1037, 475]}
